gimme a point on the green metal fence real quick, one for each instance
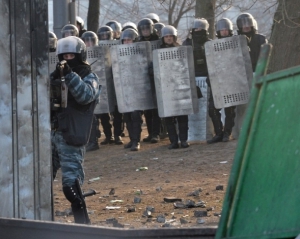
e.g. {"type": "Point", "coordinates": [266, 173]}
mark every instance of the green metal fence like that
{"type": "Point", "coordinates": [263, 193]}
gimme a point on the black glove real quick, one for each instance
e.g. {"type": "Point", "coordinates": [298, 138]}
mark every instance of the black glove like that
{"type": "Point", "coordinates": [63, 65]}
{"type": "Point", "coordinates": [54, 75]}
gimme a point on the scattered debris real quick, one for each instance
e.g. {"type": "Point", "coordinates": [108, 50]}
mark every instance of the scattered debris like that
{"type": "Point", "coordinates": [223, 162]}
{"type": "Point", "coordinates": [116, 201]}
{"type": "Point", "coordinates": [220, 188]}
{"type": "Point", "coordinates": [161, 219]}
{"type": "Point", "coordinates": [200, 213]}
{"type": "Point", "coordinates": [195, 193]}
{"type": "Point", "coordinates": [137, 200]}
{"type": "Point", "coordinates": [94, 179]}
{"type": "Point", "coordinates": [131, 209]}
{"type": "Point", "coordinates": [183, 221]}
{"type": "Point", "coordinates": [158, 189]}
{"type": "Point", "coordinates": [210, 209]}
{"type": "Point", "coordinates": [112, 191]}
{"type": "Point", "coordinates": [150, 209]}
{"type": "Point", "coordinates": [112, 208]}
{"type": "Point", "coordinates": [141, 169]}
{"type": "Point", "coordinates": [172, 199]}
{"type": "Point", "coordinates": [167, 181]}
{"type": "Point", "coordinates": [200, 221]}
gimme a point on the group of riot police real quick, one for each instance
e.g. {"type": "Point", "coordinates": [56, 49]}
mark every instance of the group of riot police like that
{"type": "Point", "coordinates": [75, 127]}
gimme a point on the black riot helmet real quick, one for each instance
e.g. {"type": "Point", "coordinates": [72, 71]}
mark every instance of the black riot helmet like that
{"type": "Point", "coordinates": [158, 26]}
{"type": "Point", "coordinates": [90, 38]}
{"type": "Point", "coordinates": [224, 24]}
{"type": "Point", "coordinates": [69, 30]}
{"type": "Point", "coordinates": [169, 30]}
{"type": "Point", "coordinates": [153, 16]}
{"type": "Point", "coordinates": [105, 33]}
{"type": "Point", "coordinates": [246, 20]}
{"type": "Point", "coordinates": [116, 27]}
{"type": "Point", "coordinates": [145, 23]}
{"type": "Point", "coordinates": [52, 42]}
{"type": "Point", "coordinates": [72, 45]}
{"type": "Point", "coordinates": [131, 25]}
{"type": "Point", "coordinates": [129, 33]}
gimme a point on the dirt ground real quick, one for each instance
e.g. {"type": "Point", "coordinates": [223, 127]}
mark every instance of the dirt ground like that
{"type": "Point", "coordinates": [187, 174]}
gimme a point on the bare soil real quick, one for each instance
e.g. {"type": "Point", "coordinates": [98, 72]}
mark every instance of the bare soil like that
{"type": "Point", "coordinates": [171, 173]}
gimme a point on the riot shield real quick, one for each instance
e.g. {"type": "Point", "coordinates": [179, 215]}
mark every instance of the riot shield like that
{"type": "Point", "coordinates": [155, 44]}
{"type": "Point", "coordinates": [230, 70]}
{"type": "Point", "coordinates": [99, 59]}
{"type": "Point", "coordinates": [109, 43]}
{"type": "Point", "coordinates": [200, 126]}
{"type": "Point", "coordinates": [175, 81]}
{"type": "Point", "coordinates": [53, 60]}
{"type": "Point", "coordinates": [130, 63]}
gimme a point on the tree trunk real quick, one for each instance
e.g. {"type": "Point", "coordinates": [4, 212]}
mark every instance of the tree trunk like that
{"type": "Point", "coordinates": [285, 36]}
{"type": "Point", "coordinates": [93, 15]}
{"type": "Point", "coordinates": [206, 9]}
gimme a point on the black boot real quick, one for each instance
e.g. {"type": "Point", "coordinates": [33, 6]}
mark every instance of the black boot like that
{"type": "Point", "coordinates": [183, 131]}
{"type": "Point", "coordinates": [77, 204]}
{"type": "Point", "coordinates": [106, 125]}
{"type": "Point", "coordinates": [173, 137]}
{"type": "Point", "coordinates": [135, 146]}
{"type": "Point", "coordinates": [95, 134]}
{"type": "Point", "coordinates": [218, 125]}
{"type": "Point", "coordinates": [118, 140]}
{"type": "Point", "coordinates": [229, 122]}
{"type": "Point", "coordinates": [129, 129]}
{"type": "Point", "coordinates": [156, 124]}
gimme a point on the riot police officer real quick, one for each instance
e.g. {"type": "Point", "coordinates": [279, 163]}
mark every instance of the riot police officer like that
{"type": "Point", "coordinates": [224, 28]}
{"type": "Point", "coordinates": [158, 26]}
{"type": "Point", "coordinates": [153, 122]}
{"type": "Point", "coordinates": [90, 39]}
{"type": "Point", "coordinates": [199, 35]}
{"type": "Point", "coordinates": [69, 30]}
{"type": "Point", "coordinates": [153, 16]}
{"type": "Point", "coordinates": [169, 39]}
{"type": "Point", "coordinates": [72, 121]}
{"type": "Point", "coordinates": [52, 42]}
{"type": "Point", "coordinates": [107, 33]}
{"type": "Point", "coordinates": [133, 119]}
{"type": "Point", "coordinates": [247, 26]}
{"type": "Point", "coordinates": [117, 28]}
{"type": "Point", "coordinates": [131, 25]}
{"type": "Point", "coordinates": [80, 25]}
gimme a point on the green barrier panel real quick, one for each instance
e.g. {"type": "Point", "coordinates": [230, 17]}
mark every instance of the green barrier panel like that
{"type": "Point", "coordinates": [263, 194]}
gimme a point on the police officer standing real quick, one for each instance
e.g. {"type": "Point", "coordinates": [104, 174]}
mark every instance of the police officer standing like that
{"type": "Point", "coordinates": [169, 39]}
{"type": "Point", "coordinates": [80, 25]}
{"type": "Point", "coordinates": [52, 42]}
{"type": "Point", "coordinates": [69, 30]}
{"type": "Point", "coordinates": [90, 39]}
{"type": "Point", "coordinates": [153, 122]}
{"type": "Point", "coordinates": [133, 119]}
{"type": "Point", "coordinates": [107, 33]}
{"type": "Point", "coordinates": [224, 29]}
{"type": "Point", "coordinates": [71, 122]}
{"type": "Point", "coordinates": [247, 26]}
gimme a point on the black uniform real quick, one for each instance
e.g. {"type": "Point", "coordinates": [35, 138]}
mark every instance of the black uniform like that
{"type": "Point", "coordinates": [181, 120]}
{"type": "Point", "coordinates": [153, 121]}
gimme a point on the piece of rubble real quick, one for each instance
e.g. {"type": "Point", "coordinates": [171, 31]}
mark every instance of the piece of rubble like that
{"type": "Point", "coordinates": [195, 193]}
{"type": "Point", "coordinates": [183, 221]}
{"type": "Point", "coordinates": [200, 221]}
{"type": "Point", "coordinates": [137, 200]}
{"type": "Point", "coordinates": [172, 199]}
{"type": "Point", "coordinates": [131, 209]}
{"type": "Point", "coordinates": [200, 213]}
{"type": "Point", "coordinates": [158, 189]}
{"type": "Point", "coordinates": [220, 188]}
{"type": "Point", "coordinates": [161, 219]}
{"type": "Point", "coordinates": [150, 208]}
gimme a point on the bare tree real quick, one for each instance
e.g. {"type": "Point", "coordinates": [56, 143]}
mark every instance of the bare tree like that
{"type": "Point", "coordinates": [206, 9]}
{"type": "Point", "coordinates": [93, 15]}
{"type": "Point", "coordinates": [285, 36]}
{"type": "Point", "coordinates": [176, 9]}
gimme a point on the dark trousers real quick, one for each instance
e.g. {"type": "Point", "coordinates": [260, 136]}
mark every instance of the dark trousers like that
{"type": "Point", "coordinates": [153, 122]}
{"type": "Point", "coordinates": [134, 122]}
{"type": "Point", "coordinates": [215, 116]}
{"type": "Point", "coordinates": [182, 121]}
